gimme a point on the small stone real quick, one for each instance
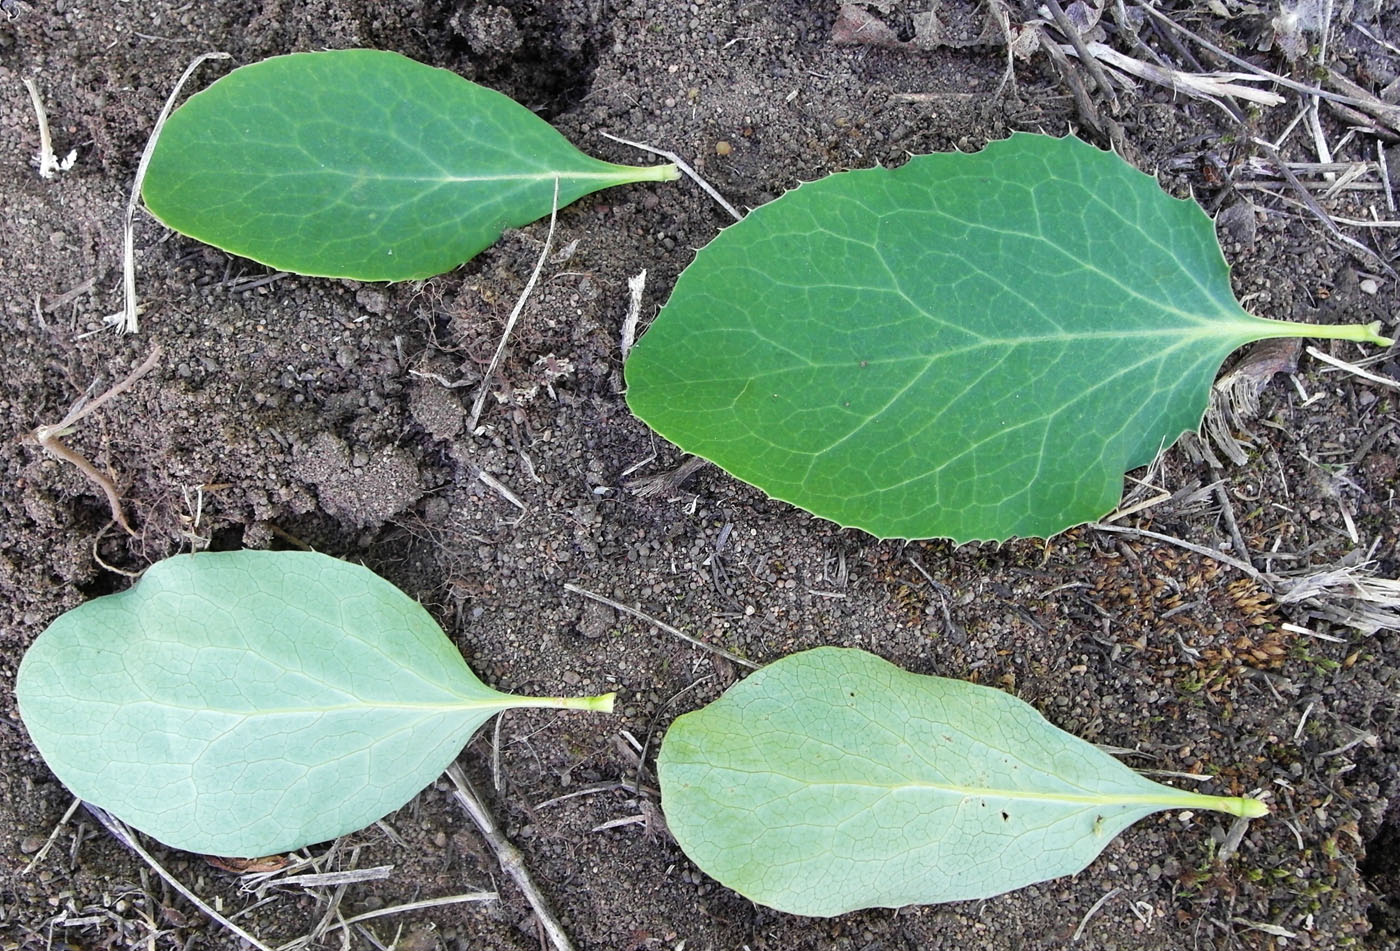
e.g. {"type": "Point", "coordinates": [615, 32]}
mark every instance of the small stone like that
{"type": "Point", "coordinates": [723, 148]}
{"type": "Point", "coordinates": [31, 844]}
{"type": "Point", "coordinates": [372, 300]}
{"type": "Point", "coordinates": [1369, 286]}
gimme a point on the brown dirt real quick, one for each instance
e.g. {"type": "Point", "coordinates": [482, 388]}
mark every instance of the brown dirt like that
{"type": "Point", "coordinates": [302, 409]}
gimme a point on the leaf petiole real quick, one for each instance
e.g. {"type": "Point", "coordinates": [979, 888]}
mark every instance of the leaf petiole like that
{"type": "Point", "coordinates": [648, 173]}
{"type": "Point", "coordinates": [1242, 806]}
{"type": "Point", "coordinates": [603, 703]}
{"type": "Point", "coordinates": [1360, 333]}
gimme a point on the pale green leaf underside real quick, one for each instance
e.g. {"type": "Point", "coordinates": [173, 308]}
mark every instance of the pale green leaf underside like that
{"type": "Point", "coordinates": [246, 703]}
{"type": "Point", "coordinates": [972, 346]}
{"type": "Point", "coordinates": [832, 780]}
{"type": "Point", "coordinates": [362, 164]}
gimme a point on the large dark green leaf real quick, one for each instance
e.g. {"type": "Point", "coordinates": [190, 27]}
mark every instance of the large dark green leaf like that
{"type": "Point", "coordinates": [971, 346]}
{"type": "Point", "coordinates": [363, 164]}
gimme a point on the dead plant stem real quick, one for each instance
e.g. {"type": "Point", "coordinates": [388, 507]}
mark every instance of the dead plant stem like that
{"type": "Point", "coordinates": [512, 861]}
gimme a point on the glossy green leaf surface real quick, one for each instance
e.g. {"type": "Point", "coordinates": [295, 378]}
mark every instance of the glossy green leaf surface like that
{"type": "Point", "coordinates": [247, 703]}
{"type": "Point", "coordinates": [832, 780]}
{"type": "Point", "coordinates": [362, 164]}
{"type": "Point", "coordinates": [970, 346]}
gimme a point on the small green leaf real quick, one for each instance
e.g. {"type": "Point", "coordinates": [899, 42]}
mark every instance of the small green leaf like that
{"type": "Point", "coordinates": [362, 164]}
{"type": "Point", "coordinates": [832, 780]}
{"type": "Point", "coordinates": [247, 703]}
{"type": "Point", "coordinates": [970, 346]}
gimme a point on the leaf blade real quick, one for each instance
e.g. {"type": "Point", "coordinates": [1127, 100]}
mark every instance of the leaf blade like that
{"type": "Point", "coordinates": [246, 703]}
{"type": "Point", "coordinates": [967, 346]}
{"type": "Point", "coordinates": [361, 164]}
{"type": "Point", "coordinates": [831, 780]}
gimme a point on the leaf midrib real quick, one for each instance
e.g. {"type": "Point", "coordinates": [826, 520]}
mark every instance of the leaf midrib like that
{"type": "Point", "coordinates": [1182, 797]}
{"type": "Point", "coordinates": [1238, 333]}
{"type": "Point", "coordinates": [621, 176]}
{"type": "Point", "coordinates": [455, 707]}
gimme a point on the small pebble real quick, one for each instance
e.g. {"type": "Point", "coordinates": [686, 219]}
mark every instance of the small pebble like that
{"type": "Point", "coordinates": [374, 301]}
{"type": "Point", "coordinates": [1369, 286]}
{"type": "Point", "coordinates": [31, 844]}
{"type": "Point", "coordinates": [723, 148]}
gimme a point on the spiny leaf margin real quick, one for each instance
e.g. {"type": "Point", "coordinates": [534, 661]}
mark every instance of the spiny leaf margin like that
{"type": "Point", "coordinates": [841, 347]}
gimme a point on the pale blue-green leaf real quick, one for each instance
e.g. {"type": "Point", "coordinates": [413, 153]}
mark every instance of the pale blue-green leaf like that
{"type": "Point", "coordinates": [246, 703]}
{"type": "Point", "coordinates": [832, 780]}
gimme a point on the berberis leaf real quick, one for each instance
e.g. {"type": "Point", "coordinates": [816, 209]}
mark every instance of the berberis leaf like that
{"type": "Point", "coordinates": [832, 780]}
{"type": "Point", "coordinates": [362, 164]}
{"type": "Point", "coordinates": [971, 346]}
{"type": "Point", "coordinates": [246, 703]}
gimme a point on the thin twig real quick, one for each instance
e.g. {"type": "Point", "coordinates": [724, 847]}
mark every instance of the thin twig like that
{"type": "Point", "coordinates": [1084, 922]}
{"type": "Point", "coordinates": [323, 924]}
{"type": "Point", "coordinates": [102, 562]}
{"type": "Point", "coordinates": [123, 834]}
{"type": "Point", "coordinates": [1071, 33]}
{"type": "Point", "coordinates": [70, 295]}
{"type": "Point", "coordinates": [512, 862]}
{"type": "Point", "coordinates": [128, 318]}
{"type": "Point", "coordinates": [1384, 165]}
{"type": "Point", "coordinates": [1227, 511]}
{"type": "Point", "coordinates": [49, 164]}
{"type": "Point", "coordinates": [661, 626]}
{"type": "Point", "coordinates": [1206, 86]}
{"type": "Point", "coordinates": [1082, 100]}
{"type": "Point", "coordinates": [515, 315]}
{"type": "Point", "coordinates": [1353, 368]}
{"type": "Point", "coordinates": [1211, 553]}
{"type": "Point", "coordinates": [84, 407]}
{"type": "Point", "coordinates": [49, 436]}
{"type": "Point", "coordinates": [342, 877]}
{"type": "Point", "coordinates": [1390, 111]}
{"type": "Point", "coordinates": [53, 836]}
{"type": "Point", "coordinates": [413, 906]}
{"type": "Point", "coordinates": [680, 163]}
{"type": "Point", "coordinates": [1318, 211]}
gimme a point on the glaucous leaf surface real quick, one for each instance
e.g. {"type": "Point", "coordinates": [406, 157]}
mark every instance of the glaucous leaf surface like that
{"type": "Point", "coordinates": [971, 346]}
{"type": "Point", "coordinates": [832, 780]}
{"type": "Point", "coordinates": [362, 164]}
{"type": "Point", "coordinates": [252, 702]}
